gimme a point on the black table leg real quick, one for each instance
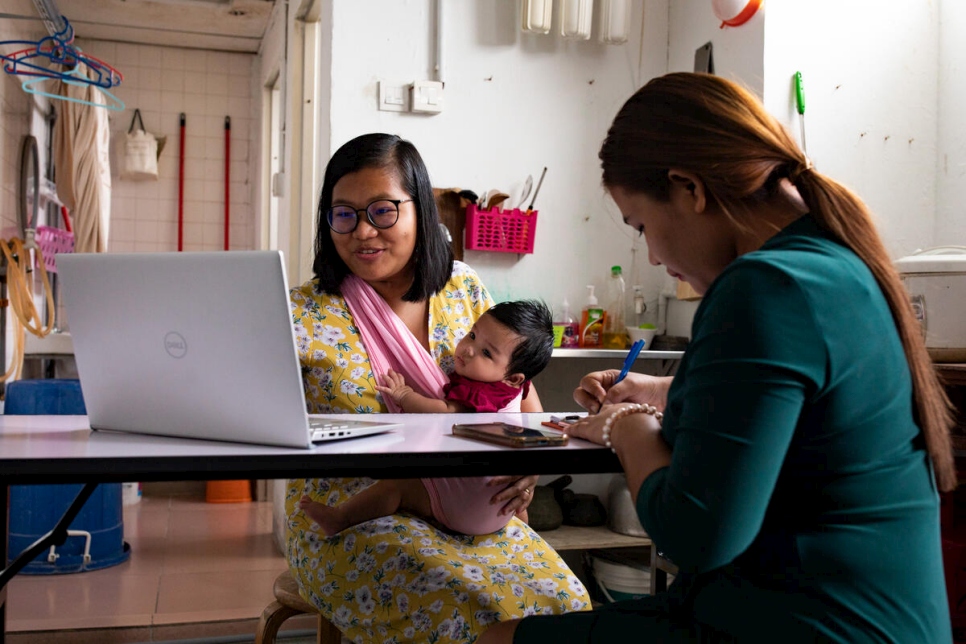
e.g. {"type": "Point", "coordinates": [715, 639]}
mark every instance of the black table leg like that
{"type": "Point", "coordinates": [56, 537]}
{"type": "Point", "coordinates": [4, 532]}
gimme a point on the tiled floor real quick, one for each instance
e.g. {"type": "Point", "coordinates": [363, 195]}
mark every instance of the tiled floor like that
{"type": "Point", "coordinates": [197, 570]}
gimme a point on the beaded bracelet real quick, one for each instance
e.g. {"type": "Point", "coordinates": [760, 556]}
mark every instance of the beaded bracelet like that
{"type": "Point", "coordinates": [627, 411]}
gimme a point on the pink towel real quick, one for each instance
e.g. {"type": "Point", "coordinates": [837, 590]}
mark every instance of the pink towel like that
{"type": "Point", "coordinates": [390, 343]}
{"type": "Point", "coordinates": [461, 504]}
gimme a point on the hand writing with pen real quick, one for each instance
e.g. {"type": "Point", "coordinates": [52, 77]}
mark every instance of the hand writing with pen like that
{"type": "Point", "coordinates": [625, 414]}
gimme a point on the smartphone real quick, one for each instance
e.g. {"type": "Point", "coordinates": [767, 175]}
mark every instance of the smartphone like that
{"type": "Point", "coordinates": [512, 435]}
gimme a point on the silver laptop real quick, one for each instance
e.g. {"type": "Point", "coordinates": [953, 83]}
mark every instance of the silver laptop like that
{"type": "Point", "coordinates": [193, 345]}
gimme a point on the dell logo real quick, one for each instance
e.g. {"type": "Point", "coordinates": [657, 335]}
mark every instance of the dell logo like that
{"type": "Point", "coordinates": [175, 345]}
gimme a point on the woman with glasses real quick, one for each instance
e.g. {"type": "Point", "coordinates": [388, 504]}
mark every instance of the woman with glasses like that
{"type": "Point", "coordinates": [387, 294]}
{"type": "Point", "coordinates": [790, 468]}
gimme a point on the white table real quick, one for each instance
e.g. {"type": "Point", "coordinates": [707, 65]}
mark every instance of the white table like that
{"type": "Point", "coordinates": [63, 449]}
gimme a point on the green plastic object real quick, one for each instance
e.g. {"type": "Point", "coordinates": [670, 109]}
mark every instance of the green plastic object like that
{"type": "Point", "coordinates": [799, 93]}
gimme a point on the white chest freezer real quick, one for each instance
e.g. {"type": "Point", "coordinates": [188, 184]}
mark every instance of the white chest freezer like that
{"type": "Point", "coordinates": [936, 281]}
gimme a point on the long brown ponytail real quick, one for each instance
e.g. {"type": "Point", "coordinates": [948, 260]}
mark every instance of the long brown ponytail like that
{"type": "Point", "coordinates": [843, 214]}
{"type": "Point", "coordinates": [719, 130]}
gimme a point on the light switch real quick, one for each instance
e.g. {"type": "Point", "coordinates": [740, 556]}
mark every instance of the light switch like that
{"type": "Point", "coordinates": [427, 97]}
{"type": "Point", "coordinates": [393, 97]}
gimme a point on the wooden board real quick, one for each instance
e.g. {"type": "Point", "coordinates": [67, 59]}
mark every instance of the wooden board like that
{"type": "Point", "coordinates": [568, 537]}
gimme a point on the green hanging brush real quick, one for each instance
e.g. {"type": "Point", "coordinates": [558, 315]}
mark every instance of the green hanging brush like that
{"type": "Point", "coordinates": [800, 105]}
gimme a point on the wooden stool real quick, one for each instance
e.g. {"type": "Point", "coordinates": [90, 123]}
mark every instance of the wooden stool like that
{"type": "Point", "coordinates": [289, 603]}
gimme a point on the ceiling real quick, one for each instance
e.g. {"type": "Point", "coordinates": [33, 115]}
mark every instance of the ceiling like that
{"type": "Point", "coordinates": [226, 25]}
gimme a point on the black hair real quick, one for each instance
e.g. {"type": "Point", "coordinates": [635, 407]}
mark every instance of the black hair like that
{"type": "Point", "coordinates": [432, 256]}
{"type": "Point", "coordinates": [532, 320]}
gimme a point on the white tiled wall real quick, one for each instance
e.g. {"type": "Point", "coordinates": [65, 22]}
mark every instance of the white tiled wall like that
{"type": "Point", "coordinates": [207, 86]}
{"type": "Point", "coordinates": [13, 126]}
{"type": "Point", "coordinates": [15, 106]}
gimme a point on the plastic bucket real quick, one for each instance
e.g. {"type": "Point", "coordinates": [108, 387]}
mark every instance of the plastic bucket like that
{"type": "Point", "coordinates": [620, 578]}
{"type": "Point", "coordinates": [96, 536]}
{"type": "Point", "coordinates": [228, 492]}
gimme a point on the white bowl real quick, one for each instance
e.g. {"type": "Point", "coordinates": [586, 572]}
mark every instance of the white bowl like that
{"type": "Point", "coordinates": [636, 334]}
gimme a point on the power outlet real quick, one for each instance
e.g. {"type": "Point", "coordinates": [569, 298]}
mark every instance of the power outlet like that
{"type": "Point", "coordinates": [393, 97]}
{"type": "Point", "coordinates": [427, 97]}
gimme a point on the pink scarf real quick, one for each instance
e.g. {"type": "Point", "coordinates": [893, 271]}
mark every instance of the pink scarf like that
{"type": "Point", "coordinates": [390, 343]}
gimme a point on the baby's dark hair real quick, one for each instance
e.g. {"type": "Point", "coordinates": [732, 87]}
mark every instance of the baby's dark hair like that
{"type": "Point", "coordinates": [533, 321]}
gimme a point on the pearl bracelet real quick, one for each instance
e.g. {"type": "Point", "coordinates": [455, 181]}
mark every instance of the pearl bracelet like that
{"type": "Point", "coordinates": [627, 411]}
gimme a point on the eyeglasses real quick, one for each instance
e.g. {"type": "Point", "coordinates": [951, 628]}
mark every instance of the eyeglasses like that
{"type": "Point", "coordinates": [381, 214]}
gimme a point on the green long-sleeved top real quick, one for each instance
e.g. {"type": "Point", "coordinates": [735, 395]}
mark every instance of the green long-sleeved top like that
{"type": "Point", "coordinates": [799, 503]}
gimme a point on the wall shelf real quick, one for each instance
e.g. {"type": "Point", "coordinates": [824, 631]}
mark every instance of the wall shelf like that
{"type": "Point", "coordinates": [616, 353]}
{"type": "Point", "coordinates": [571, 537]}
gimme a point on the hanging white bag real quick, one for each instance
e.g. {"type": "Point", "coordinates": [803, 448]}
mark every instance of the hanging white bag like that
{"type": "Point", "coordinates": [140, 152]}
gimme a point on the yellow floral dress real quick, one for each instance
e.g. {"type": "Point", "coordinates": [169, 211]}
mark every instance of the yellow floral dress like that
{"type": "Point", "coordinates": [399, 578]}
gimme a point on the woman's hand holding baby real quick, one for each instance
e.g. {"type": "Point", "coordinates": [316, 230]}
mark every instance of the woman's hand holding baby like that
{"type": "Point", "coordinates": [516, 493]}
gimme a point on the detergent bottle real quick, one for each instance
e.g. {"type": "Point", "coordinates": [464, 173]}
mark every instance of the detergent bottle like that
{"type": "Point", "coordinates": [591, 322]}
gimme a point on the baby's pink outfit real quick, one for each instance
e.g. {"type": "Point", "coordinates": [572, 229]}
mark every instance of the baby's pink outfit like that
{"type": "Point", "coordinates": [463, 504]}
{"type": "Point", "coordinates": [460, 504]}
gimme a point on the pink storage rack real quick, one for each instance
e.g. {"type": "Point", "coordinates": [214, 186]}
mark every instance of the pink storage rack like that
{"type": "Point", "coordinates": [501, 231]}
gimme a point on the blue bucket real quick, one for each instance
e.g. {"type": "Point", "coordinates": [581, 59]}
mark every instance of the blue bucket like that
{"type": "Point", "coordinates": [96, 536]}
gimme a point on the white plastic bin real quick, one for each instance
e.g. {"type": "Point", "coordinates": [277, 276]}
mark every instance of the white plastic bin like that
{"type": "Point", "coordinates": [621, 574]}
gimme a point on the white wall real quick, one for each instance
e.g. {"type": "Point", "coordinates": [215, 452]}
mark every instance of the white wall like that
{"type": "Point", "coordinates": [514, 103]}
{"type": "Point", "coordinates": [951, 159]}
{"type": "Point", "coordinates": [737, 52]}
{"type": "Point", "coordinates": [207, 86]}
{"type": "Point", "coordinates": [871, 89]}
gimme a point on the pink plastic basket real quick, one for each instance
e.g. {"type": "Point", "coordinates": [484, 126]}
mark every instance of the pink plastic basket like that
{"type": "Point", "coordinates": [501, 231]}
{"type": "Point", "coordinates": [52, 241]}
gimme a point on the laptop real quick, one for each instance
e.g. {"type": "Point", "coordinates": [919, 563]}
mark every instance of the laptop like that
{"type": "Point", "coordinates": [192, 345]}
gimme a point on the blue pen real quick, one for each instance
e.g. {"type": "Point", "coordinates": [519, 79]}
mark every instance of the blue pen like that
{"type": "Point", "coordinates": [629, 360]}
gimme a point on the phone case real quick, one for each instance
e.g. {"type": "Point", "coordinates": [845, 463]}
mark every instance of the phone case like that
{"type": "Point", "coordinates": [511, 435]}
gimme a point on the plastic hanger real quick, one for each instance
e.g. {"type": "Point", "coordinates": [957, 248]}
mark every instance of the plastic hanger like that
{"type": "Point", "coordinates": [58, 50]}
{"type": "Point", "coordinates": [18, 64]}
{"type": "Point", "coordinates": [71, 78]}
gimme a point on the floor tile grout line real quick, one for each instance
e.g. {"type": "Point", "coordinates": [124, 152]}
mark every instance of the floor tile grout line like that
{"type": "Point", "coordinates": [157, 530]}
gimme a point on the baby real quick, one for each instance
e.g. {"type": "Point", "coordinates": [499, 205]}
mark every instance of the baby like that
{"type": "Point", "coordinates": [509, 344]}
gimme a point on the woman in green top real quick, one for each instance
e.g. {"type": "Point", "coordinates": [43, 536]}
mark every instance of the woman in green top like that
{"type": "Point", "coordinates": [794, 480]}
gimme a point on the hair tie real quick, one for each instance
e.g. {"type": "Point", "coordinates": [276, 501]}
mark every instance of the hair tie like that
{"type": "Point", "coordinates": [800, 169]}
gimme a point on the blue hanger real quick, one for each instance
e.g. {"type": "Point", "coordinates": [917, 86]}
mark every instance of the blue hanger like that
{"type": "Point", "coordinates": [28, 86]}
{"type": "Point", "coordinates": [58, 50]}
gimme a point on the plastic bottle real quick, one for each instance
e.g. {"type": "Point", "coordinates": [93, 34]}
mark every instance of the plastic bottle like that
{"type": "Point", "coordinates": [615, 335]}
{"type": "Point", "coordinates": [566, 332]}
{"type": "Point", "coordinates": [592, 322]}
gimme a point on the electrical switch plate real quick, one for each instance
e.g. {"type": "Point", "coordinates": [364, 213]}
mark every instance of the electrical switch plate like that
{"type": "Point", "coordinates": [278, 184]}
{"type": "Point", "coordinates": [393, 97]}
{"type": "Point", "coordinates": [427, 97]}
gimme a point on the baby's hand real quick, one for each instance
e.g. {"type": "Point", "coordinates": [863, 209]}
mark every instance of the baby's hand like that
{"type": "Point", "coordinates": [395, 386]}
